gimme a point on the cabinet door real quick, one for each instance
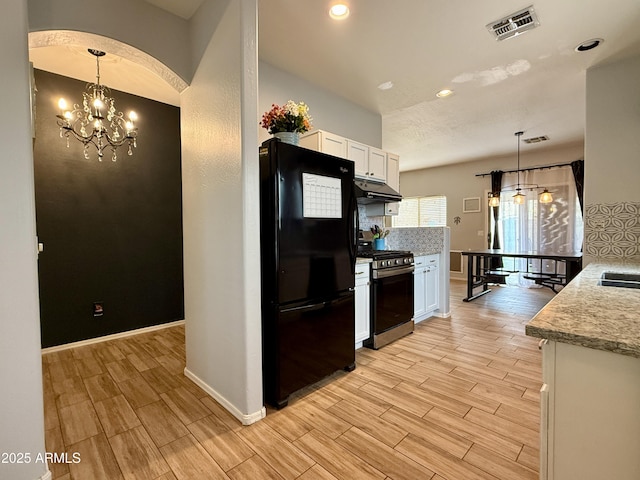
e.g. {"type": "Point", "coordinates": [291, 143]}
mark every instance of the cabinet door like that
{"type": "Point", "coordinates": [431, 287]}
{"type": "Point", "coordinates": [419, 292]}
{"type": "Point", "coordinates": [333, 144]}
{"type": "Point", "coordinates": [359, 153]}
{"type": "Point", "coordinates": [377, 165]}
{"type": "Point", "coordinates": [393, 171]}
{"type": "Point", "coordinates": [362, 305]}
{"type": "Point", "coordinates": [431, 283]}
{"type": "Point", "coordinates": [391, 208]}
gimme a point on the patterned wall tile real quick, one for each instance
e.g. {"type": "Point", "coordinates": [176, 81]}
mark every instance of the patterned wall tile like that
{"type": "Point", "coordinates": [420, 240]}
{"type": "Point", "coordinates": [613, 230]}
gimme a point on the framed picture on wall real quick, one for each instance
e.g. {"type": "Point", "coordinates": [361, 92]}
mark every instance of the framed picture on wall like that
{"type": "Point", "coordinates": [471, 205]}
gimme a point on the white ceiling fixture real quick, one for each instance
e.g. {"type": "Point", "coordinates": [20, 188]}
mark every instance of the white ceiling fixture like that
{"type": "Point", "coordinates": [339, 11]}
{"type": "Point", "coordinates": [589, 44]}
{"type": "Point", "coordinates": [514, 24]}
{"type": "Point", "coordinates": [445, 92]}
{"type": "Point", "coordinates": [385, 86]}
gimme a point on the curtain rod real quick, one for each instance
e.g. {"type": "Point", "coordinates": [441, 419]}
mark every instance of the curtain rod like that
{"type": "Point", "coordinates": [527, 169]}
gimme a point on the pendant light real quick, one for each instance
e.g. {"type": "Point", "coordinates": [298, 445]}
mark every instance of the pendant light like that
{"type": "Point", "coordinates": [97, 122]}
{"type": "Point", "coordinates": [545, 196]}
{"type": "Point", "coordinates": [519, 197]}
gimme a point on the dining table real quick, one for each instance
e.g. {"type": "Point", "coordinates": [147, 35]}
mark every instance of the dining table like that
{"type": "Point", "coordinates": [485, 266]}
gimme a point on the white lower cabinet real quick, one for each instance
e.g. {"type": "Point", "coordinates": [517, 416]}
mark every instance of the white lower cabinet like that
{"type": "Point", "coordinates": [426, 290]}
{"type": "Point", "coordinates": [590, 421]}
{"type": "Point", "coordinates": [362, 302]}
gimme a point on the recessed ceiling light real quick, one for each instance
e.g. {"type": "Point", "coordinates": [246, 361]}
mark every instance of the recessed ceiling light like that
{"type": "Point", "coordinates": [385, 86]}
{"type": "Point", "coordinates": [589, 44]}
{"type": "Point", "coordinates": [339, 11]}
{"type": "Point", "coordinates": [444, 93]}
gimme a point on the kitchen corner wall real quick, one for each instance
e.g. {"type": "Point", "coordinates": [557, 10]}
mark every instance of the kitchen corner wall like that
{"type": "Point", "coordinates": [612, 169]}
{"type": "Point", "coordinates": [328, 111]}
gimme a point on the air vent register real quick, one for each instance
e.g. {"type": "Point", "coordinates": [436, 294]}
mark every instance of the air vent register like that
{"type": "Point", "coordinates": [514, 24]}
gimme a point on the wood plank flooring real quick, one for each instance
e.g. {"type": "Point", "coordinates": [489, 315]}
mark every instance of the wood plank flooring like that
{"type": "Point", "coordinates": [456, 400]}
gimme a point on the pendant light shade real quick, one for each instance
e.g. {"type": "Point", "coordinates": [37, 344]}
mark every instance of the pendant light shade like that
{"type": "Point", "coordinates": [519, 197]}
{"type": "Point", "coordinates": [494, 200]}
{"type": "Point", "coordinates": [545, 196]}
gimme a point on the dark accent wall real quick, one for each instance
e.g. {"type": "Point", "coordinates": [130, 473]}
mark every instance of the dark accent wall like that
{"type": "Point", "coordinates": [112, 231]}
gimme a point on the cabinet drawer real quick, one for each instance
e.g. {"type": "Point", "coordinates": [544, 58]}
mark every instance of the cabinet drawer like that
{"type": "Point", "coordinates": [362, 273]}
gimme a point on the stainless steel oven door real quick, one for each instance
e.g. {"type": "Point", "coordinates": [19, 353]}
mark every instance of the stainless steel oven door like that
{"type": "Point", "coordinates": [392, 298]}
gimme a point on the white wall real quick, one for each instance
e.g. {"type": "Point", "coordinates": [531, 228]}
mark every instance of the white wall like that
{"type": "Point", "coordinates": [137, 23]}
{"type": "Point", "coordinates": [459, 181]}
{"type": "Point", "coordinates": [612, 146]}
{"type": "Point", "coordinates": [21, 402]}
{"type": "Point", "coordinates": [612, 168]}
{"type": "Point", "coordinates": [221, 217]}
{"type": "Point", "coordinates": [329, 112]}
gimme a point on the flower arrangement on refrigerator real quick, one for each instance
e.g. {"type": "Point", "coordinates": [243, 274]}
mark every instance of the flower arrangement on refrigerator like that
{"type": "Point", "coordinates": [291, 117]}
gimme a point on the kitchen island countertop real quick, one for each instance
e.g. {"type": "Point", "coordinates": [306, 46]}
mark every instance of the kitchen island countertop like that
{"type": "Point", "coordinates": [587, 314]}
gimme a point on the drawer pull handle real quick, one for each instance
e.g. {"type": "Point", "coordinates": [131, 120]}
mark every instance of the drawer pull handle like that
{"type": "Point", "coordinates": [359, 273]}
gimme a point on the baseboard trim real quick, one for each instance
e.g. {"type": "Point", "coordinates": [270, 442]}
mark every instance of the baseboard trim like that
{"type": "Point", "coordinates": [245, 419]}
{"type": "Point", "coordinates": [106, 338]}
{"type": "Point", "coordinates": [46, 476]}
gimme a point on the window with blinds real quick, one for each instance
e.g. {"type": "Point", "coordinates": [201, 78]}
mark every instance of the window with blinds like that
{"type": "Point", "coordinates": [421, 212]}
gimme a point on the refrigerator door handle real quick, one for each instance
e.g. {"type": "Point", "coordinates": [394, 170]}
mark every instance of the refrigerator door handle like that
{"type": "Point", "coordinates": [354, 227]}
{"type": "Point", "coordinates": [315, 306]}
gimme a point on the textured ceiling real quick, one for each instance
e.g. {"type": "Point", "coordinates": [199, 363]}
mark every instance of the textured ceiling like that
{"type": "Point", "coordinates": [534, 82]}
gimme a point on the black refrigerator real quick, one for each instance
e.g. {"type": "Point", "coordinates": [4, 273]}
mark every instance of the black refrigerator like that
{"type": "Point", "coordinates": [308, 239]}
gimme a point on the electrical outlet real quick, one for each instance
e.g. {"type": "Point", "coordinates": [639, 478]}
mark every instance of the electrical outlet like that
{"type": "Point", "coordinates": [98, 309]}
{"type": "Point", "coordinates": [481, 233]}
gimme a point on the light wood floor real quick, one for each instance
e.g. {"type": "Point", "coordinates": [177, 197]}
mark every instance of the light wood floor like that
{"type": "Point", "coordinates": [456, 400]}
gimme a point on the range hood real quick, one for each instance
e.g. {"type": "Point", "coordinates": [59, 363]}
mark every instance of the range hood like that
{"type": "Point", "coordinates": [371, 192]}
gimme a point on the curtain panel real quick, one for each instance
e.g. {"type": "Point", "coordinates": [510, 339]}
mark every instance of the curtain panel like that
{"type": "Point", "coordinates": [534, 226]}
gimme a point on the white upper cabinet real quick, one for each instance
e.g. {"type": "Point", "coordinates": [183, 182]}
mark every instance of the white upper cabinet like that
{"type": "Point", "coordinates": [393, 171]}
{"type": "Point", "coordinates": [377, 165]}
{"type": "Point", "coordinates": [359, 153]}
{"type": "Point", "coordinates": [325, 142]}
{"type": "Point", "coordinates": [370, 163]}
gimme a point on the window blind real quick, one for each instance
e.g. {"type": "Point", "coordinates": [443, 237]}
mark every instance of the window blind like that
{"type": "Point", "coordinates": [421, 212]}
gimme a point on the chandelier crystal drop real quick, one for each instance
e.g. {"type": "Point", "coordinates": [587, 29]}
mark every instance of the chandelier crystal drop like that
{"type": "Point", "coordinates": [97, 122]}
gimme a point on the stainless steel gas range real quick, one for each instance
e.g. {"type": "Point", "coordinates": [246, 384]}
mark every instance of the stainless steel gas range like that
{"type": "Point", "coordinates": [391, 295]}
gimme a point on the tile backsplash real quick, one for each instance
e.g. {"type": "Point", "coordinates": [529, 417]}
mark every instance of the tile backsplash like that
{"type": "Point", "coordinates": [422, 240]}
{"type": "Point", "coordinates": [367, 222]}
{"type": "Point", "coordinates": [612, 230]}
{"type": "Point", "coordinates": [419, 240]}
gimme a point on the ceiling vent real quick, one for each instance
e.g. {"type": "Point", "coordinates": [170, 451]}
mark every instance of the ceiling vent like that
{"type": "Point", "coordinates": [514, 24]}
{"type": "Point", "coordinates": [542, 138]}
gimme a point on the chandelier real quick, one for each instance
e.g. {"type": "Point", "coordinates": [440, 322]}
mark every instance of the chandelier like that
{"type": "Point", "coordinates": [96, 122]}
{"type": "Point", "coordinates": [519, 197]}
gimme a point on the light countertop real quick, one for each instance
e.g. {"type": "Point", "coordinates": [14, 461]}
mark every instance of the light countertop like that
{"type": "Point", "coordinates": [425, 252]}
{"type": "Point", "coordinates": [360, 260]}
{"type": "Point", "coordinates": [594, 316]}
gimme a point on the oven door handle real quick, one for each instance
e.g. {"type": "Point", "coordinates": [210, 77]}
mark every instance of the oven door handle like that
{"type": "Point", "coordinates": [392, 272]}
